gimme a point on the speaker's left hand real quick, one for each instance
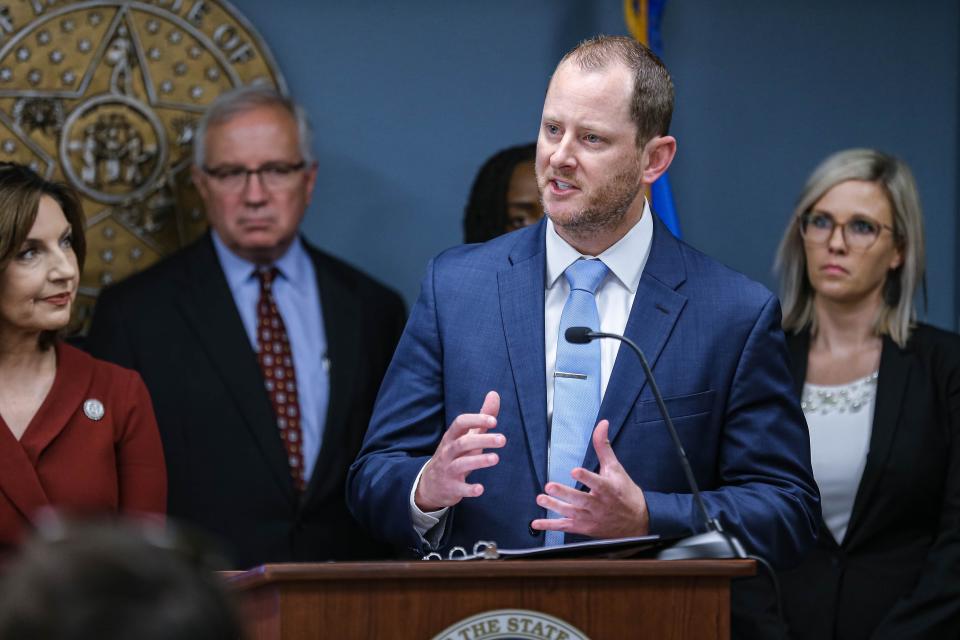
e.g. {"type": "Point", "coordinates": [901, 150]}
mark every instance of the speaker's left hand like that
{"type": "Point", "coordinates": [614, 506]}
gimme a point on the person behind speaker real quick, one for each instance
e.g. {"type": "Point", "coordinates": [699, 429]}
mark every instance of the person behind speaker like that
{"type": "Point", "coordinates": [487, 420]}
{"type": "Point", "coordinates": [76, 434]}
{"type": "Point", "coordinates": [881, 395]}
{"type": "Point", "coordinates": [504, 196]}
{"type": "Point", "coordinates": [262, 353]}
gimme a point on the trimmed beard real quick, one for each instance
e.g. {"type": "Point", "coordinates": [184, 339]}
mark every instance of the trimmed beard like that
{"type": "Point", "coordinates": [606, 208]}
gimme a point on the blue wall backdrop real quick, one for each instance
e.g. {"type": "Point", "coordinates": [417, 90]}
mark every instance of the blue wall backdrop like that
{"type": "Point", "coordinates": [409, 98]}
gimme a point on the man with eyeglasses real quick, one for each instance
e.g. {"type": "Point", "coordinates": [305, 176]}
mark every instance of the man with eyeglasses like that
{"type": "Point", "coordinates": [263, 355]}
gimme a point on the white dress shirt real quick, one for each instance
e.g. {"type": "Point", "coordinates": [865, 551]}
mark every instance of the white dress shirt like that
{"type": "Point", "coordinates": [614, 295]}
{"type": "Point", "coordinates": [625, 260]}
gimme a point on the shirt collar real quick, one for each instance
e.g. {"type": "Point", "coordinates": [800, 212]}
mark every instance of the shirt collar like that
{"type": "Point", "coordinates": [294, 265]}
{"type": "Point", "coordinates": [620, 258]}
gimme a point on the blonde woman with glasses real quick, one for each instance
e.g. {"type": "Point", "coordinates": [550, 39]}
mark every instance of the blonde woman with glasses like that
{"type": "Point", "coordinates": [881, 395]}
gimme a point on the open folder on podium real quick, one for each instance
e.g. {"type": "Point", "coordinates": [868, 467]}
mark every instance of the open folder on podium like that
{"type": "Point", "coordinates": [610, 548]}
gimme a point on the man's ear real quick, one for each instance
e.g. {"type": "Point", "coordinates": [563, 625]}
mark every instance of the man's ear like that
{"type": "Point", "coordinates": [197, 176]}
{"type": "Point", "coordinates": [656, 157]}
{"type": "Point", "coordinates": [310, 173]}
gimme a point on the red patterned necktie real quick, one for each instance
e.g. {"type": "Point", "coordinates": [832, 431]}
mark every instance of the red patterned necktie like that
{"type": "Point", "coordinates": [276, 363]}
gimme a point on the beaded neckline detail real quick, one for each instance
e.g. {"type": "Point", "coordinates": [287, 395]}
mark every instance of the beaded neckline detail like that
{"type": "Point", "coordinates": [842, 398]}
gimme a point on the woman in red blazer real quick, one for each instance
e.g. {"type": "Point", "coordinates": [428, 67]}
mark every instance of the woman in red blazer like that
{"type": "Point", "coordinates": [76, 434]}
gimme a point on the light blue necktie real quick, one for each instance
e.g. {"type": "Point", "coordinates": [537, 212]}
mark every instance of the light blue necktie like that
{"type": "Point", "coordinates": [576, 379]}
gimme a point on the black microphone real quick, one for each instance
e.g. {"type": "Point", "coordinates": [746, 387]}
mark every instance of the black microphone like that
{"type": "Point", "coordinates": [715, 543]}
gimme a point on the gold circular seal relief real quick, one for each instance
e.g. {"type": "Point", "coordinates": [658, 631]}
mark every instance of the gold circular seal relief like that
{"type": "Point", "coordinates": [105, 95]}
{"type": "Point", "coordinates": [511, 624]}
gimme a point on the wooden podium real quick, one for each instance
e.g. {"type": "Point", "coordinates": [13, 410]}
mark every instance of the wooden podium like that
{"type": "Point", "coordinates": [603, 599]}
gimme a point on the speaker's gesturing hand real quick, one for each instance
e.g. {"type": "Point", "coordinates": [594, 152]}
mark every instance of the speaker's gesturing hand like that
{"type": "Point", "coordinates": [443, 482]}
{"type": "Point", "coordinates": [614, 506]}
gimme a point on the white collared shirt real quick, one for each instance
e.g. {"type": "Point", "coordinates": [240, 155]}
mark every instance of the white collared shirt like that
{"type": "Point", "coordinates": [626, 260]}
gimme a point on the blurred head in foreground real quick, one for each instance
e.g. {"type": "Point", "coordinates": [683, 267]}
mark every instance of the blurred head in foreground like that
{"type": "Point", "coordinates": [112, 582]}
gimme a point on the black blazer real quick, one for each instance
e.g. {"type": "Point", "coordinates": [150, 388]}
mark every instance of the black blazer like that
{"type": "Point", "coordinates": [897, 572]}
{"type": "Point", "coordinates": [177, 324]}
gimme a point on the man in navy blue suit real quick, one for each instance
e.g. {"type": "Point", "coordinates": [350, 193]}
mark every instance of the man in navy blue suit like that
{"type": "Point", "coordinates": [489, 426]}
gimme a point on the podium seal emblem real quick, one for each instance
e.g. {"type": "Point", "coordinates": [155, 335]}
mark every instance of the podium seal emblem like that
{"type": "Point", "coordinates": [511, 624]}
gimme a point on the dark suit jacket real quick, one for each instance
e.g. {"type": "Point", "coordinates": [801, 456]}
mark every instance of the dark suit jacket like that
{"type": "Point", "coordinates": [177, 324]}
{"type": "Point", "coordinates": [897, 572]}
{"type": "Point", "coordinates": [79, 465]}
{"type": "Point", "coordinates": [714, 341]}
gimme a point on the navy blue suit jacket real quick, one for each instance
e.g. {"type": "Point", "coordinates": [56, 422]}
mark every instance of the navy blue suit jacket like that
{"type": "Point", "coordinates": [714, 341]}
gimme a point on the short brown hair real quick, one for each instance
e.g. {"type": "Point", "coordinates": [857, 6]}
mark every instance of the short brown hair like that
{"type": "Point", "coordinates": [20, 191]}
{"type": "Point", "coordinates": [651, 104]}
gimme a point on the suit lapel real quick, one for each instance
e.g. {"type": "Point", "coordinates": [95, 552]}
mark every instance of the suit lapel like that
{"type": "Point", "coordinates": [19, 482]}
{"type": "Point", "coordinates": [18, 460]}
{"type": "Point", "coordinates": [798, 348]}
{"type": "Point", "coordinates": [895, 367]}
{"type": "Point", "coordinates": [341, 322]}
{"type": "Point", "coordinates": [521, 288]}
{"type": "Point", "coordinates": [208, 307]}
{"type": "Point", "coordinates": [655, 311]}
{"type": "Point", "coordinates": [895, 370]}
{"type": "Point", "coordinates": [65, 398]}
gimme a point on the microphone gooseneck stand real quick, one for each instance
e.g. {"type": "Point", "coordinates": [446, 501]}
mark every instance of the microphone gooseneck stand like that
{"type": "Point", "coordinates": [715, 542]}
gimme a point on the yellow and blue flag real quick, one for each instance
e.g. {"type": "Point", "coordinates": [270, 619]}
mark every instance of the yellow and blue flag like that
{"type": "Point", "coordinates": [643, 21]}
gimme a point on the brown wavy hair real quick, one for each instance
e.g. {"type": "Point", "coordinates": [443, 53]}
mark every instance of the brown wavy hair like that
{"type": "Point", "coordinates": [20, 191]}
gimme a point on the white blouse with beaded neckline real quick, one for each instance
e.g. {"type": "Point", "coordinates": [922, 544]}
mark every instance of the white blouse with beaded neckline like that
{"type": "Point", "coordinates": [840, 419]}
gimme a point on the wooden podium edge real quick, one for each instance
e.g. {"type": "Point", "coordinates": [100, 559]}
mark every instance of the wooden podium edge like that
{"type": "Point", "coordinates": [442, 569]}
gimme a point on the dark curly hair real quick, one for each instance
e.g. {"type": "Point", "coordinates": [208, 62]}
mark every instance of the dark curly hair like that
{"type": "Point", "coordinates": [485, 216]}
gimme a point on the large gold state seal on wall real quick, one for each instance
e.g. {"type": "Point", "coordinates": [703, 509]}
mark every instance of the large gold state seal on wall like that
{"type": "Point", "coordinates": [106, 96]}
